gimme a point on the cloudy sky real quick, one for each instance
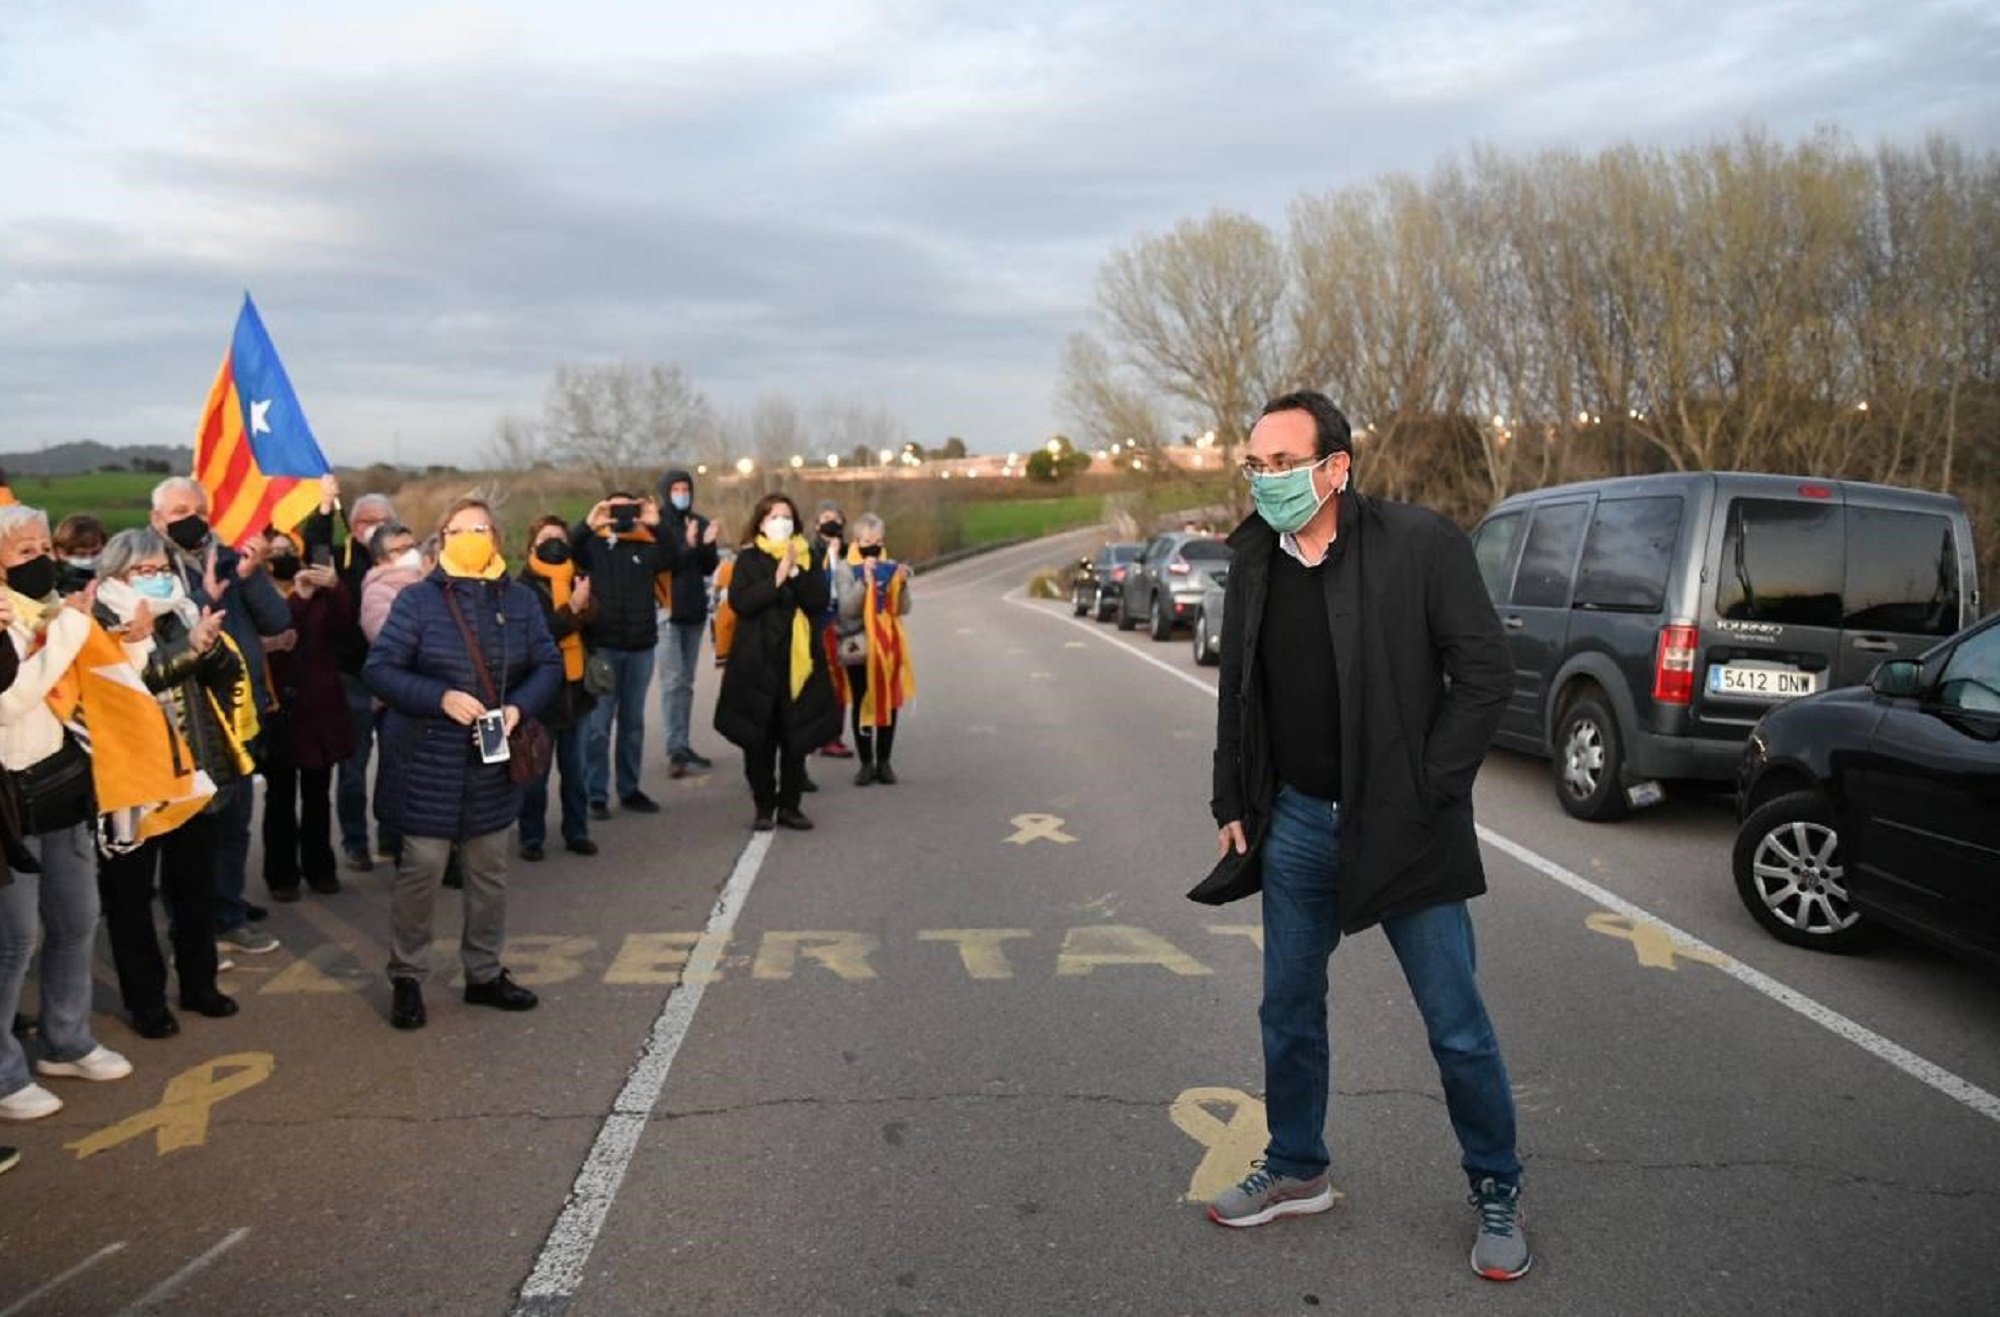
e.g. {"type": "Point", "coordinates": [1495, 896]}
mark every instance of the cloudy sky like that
{"type": "Point", "coordinates": [901, 202]}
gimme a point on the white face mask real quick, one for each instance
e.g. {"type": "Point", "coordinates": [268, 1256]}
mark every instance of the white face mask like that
{"type": "Point", "coordinates": [777, 529]}
{"type": "Point", "coordinates": [409, 558]}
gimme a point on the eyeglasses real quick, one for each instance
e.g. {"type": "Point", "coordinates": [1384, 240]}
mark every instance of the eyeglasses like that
{"type": "Point", "coordinates": [1278, 466]}
{"type": "Point", "coordinates": [151, 569]}
{"type": "Point", "coordinates": [481, 529]}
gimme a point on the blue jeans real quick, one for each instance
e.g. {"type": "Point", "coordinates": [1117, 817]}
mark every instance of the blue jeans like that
{"type": "Point", "coordinates": [60, 903]}
{"type": "Point", "coordinates": [352, 798]}
{"type": "Point", "coordinates": [633, 669]}
{"type": "Point", "coordinates": [568, 762]}
{"type": "Point", "coordinates": [679, 655]}
{"type": "Point", "coordinates": [1301, 864]}
{"type": "Point", "coordinates": [232, 852]}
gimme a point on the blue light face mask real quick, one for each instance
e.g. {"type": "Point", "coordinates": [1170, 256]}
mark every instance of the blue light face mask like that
{"type": "Point", "coordinates": [682, 502]}
{"type": "Point", "coordinates": [1287, 499]}
{"type": "Point", "coordinates": [155, 587]}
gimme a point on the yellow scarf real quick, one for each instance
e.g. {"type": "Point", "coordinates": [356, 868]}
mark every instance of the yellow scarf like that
{"type": "Point", "coordinates": [562, 580]}
{"type": "Point", "coordinates": [802, 648]}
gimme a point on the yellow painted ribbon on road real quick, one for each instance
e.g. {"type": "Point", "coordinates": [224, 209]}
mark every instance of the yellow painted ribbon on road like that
{"type": "Point", "coordinates": [1654, 945]}
{"type": "Point", "coordinates": [1038, 827]}
{"type": "Point", "coordinates": [182, 1115]}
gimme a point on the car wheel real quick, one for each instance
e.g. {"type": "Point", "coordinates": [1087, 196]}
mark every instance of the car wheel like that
{"type": "Point", "coordinates": [1126, 622]}
{"type": "Point", "coordinates": [1160, 623]}
{"type": "Point", "coordinates": [1590, 762]}
{"type": "Point", "coordinates": [1077, 602]}
{"type": "Point", "coordinates": [1104, 606]}
{"type": "Point", "coordinates": [1790, 875]}
{"type": "Point", "coordinates": [1204, 648]}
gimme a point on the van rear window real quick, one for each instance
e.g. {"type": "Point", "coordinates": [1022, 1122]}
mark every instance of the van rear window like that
{"type": "Point", "coordinates": [1628, 555]}
{"type": "Point", "coordinates": [1902, 572]}
{"type": "Point", "coordinates": [1781, 562]}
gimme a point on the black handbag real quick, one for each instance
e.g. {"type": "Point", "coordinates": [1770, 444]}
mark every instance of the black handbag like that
{"type": "Point", "coordinates": [56, 793]}
{"type": "Point", "coordinates": [530, 748]}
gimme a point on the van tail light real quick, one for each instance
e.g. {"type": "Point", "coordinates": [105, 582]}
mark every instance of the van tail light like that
{"type": "Point", "coordinates": [1178, 568]}
{"type": "Point", "coordinates": [1673, 664]}
{"type": "Point", "coordinates": [1117, 573]}
{"type": "Point", "coordinates": [1815, 491]}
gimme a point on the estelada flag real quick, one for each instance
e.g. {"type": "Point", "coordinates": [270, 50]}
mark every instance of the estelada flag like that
{"type": "Point", "coordinates": [147, 780]}
{"type": "Point", "coordinates": [255, 454]}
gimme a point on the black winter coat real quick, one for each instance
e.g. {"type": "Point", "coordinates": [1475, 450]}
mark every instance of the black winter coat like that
{"type": "Point", "coordinates": [756, 682]}
{"type": "Point", "coordinates": [690, 587]}
{"type": "Point", "coordinates": [621, 576]}
{"type": "Point", "coordinates": [432, 782]}
{"type": "Point", "coordinates": [1408, 610]}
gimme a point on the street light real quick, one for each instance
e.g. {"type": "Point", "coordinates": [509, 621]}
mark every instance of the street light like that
{"type": "Point", "coordinates": [887, 455]}
{"type": "Point", "coordinates": [701, 470]}
{"type": "Point", "coordinates": [745, 465]}
{"type": "Point", "coordinates": [797, 462]}
{"type": "Point", "coordinates": [1055, 448]}
{"type": "Point", "coordinates": [833, 460]}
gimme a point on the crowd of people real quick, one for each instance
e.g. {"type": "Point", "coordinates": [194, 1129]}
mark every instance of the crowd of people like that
{"type": "Point", "coordinates": [303, 656]}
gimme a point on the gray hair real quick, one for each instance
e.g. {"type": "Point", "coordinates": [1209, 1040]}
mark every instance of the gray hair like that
{"type": "Point", "coordinates": [868, 521]}
{"type": "Point", "coordinates": [373, 501]}
{"type": "Point", "coordinates": [19, 518]}
{"type": "Point", "coordinates": [385, 532]}
{"type": "Point", "coordinates": [127, 547]}
{"type": "Point", "coordinates": [177, 485]}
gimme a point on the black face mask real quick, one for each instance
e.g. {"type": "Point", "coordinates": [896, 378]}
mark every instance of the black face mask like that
{"type": "Point", "coordinates": [35, 578]}
{"type": "Point", "coordinates": [285, 566]}
{"type": "Point", "coordinates": [553, 552]}
{"type": "Point", "coordinates": [831, 529]}
{"type": "Point", "coordinates": [871, 550]}
{"type": "Point", "coordinates": [190, 532]}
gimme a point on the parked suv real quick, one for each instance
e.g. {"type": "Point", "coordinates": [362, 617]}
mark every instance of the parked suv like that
{"type": "Point", "coordinates": [1100, 578]}
{"type": "Point", "coordinates": [1163, 588]}
{"type": "Point", "coordinates": [1654, 619]}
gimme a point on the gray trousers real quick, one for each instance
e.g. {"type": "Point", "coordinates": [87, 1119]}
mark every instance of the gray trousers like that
{"type": "Point", "coordinates": [413, 902]}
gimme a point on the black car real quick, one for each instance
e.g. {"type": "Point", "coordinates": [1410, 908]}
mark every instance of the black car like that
{"type": "Point", "coordinates": [1879, 805]}
{"type": "Point", "coordinates": [1100, 580]}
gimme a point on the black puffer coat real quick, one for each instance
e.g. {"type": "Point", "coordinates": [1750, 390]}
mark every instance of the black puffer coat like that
{"type": "Point", "coordinates": [1407, 610]}
{"type": "Point", "coordinates": [757, 681]}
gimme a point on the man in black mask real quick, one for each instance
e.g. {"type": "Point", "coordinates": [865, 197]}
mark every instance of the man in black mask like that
{"type": "Point", "coordinates": [218, 577]}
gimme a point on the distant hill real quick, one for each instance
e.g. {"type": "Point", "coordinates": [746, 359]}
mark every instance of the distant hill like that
{"type": "Point", "coordinates": [74, 459]}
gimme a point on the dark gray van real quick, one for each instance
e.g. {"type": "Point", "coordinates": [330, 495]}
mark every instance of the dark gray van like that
{"type": "Point", "coordinates": [1654, 619]}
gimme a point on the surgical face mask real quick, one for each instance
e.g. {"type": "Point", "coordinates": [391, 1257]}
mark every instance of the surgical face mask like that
{"type": "Point", "coordinates": [162, 586]}
{"type": "Point", "coordinates": [777, 529]}
{"type": "Point", "coordinates": [1286, 499]}
{"type": "Point", "coordinates": [83, 562]}
{"type": "Point", "coordinates": [190, 532]}
{"type": "Point", "coordinates": [682, 501]}
{"type": "Point", "coordinates": [410, 558]}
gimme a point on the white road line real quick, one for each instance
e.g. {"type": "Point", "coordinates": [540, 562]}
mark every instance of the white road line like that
{"type": "Point", "coordinates": [21, 1303]}
{"type": "Point", "coordinates": [1944, 1081]}
{"type": "Point", "coordinates": [165, 1289]}
{"type": "Point", "coordinates": [558, 1270]}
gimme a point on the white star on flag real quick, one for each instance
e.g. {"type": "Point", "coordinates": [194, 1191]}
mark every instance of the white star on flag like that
{"type": "Point", "coordinates": [258, 425]}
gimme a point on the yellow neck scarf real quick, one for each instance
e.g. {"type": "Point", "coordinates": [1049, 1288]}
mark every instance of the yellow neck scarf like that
{"type": "Point", "coordinates": [802, 647]}
{"type": "Point", "coordinates": [562, 583]}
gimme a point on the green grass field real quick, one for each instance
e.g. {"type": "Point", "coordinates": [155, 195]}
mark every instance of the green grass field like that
{"type": "Point", "coordinates": [1023, 518]}
{"type": "Point", "coordinates": [120, 499]}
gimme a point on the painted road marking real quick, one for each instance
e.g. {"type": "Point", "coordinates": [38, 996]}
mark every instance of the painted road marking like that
{"type": "Point", "coordinates": [652, 958]}
{"type": "Point", "coordinates": [844, 953]}
{"type": "Point", "coordinates": [161, 1292]}
{"type": "Point", "coordinates": [1038, 827]}
{"type": "Point", "coordinates": [1233, 1141]}
{"type": "Point", "coordinates": [979, 949]}
{"type": "Point", "coordinates": [1953, 1086]}
{"type": "Point", "coordinates": [65, 1278]}
{"type": "Point", "coordinates": [1092, 947]}
{"type": "Point", "coordinates": [181, 1118]}
{"type": "Point", "coordinates": [1255, 932]}
{"type": "Point", "coordinates": [1655, 946]}
{"type": "Point", "coordinates": [558, 1270]}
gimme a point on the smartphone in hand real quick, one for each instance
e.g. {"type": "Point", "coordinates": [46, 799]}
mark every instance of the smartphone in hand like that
{"type": "Point", "coordinates": [490, 729]}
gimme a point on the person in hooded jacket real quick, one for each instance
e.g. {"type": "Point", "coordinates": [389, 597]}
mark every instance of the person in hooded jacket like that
{"type": "Point", "coordinates": [567, 608]}
{"type": "Point", "coordinates": [466, 639]}
{"type": "Point", "coordinates": [197, 676]}
{"type": "Point", "coordinates": [58, 898]}
{"type": "Point", "coordinates": [684, 616]}
{"type": "Point", "coordinates": [777, 700]}
{"type": "Point", "coordinates": [1364, 673]}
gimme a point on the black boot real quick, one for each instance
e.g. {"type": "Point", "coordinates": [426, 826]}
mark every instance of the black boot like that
{"type": "Point", "coordinates": [502, 992]}
{"type": "Point", "coordinates": [406, 1004]}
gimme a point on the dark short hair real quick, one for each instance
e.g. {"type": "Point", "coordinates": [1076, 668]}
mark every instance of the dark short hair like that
{"type": "Point", "coordinates": [1331, 432]}
{"type": "Point", "coordinates": [79, 529]}
{"type": "Point", "coordinates": [378, 543]}
{"type": "Point", "coordinates": [763, 509]}
{"type": "Point", "coordinates": [543, 522]}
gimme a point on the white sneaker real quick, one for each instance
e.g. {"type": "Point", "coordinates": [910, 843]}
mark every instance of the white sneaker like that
{"type": "Point", "coordinates": [97, 1065]}
{"type": "Point", "coordinates": [30, 1103]}
{"type": "Point", "coordinates": [224, 965]}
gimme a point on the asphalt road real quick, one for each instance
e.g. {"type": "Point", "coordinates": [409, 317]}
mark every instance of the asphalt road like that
{"type": "Point", "coordinates": [966, 1049]}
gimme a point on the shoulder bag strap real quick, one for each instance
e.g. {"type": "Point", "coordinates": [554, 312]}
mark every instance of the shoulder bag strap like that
{"type": "Point", "coordinates": [471, 645]}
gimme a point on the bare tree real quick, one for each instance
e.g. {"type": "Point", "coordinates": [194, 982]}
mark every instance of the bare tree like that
{"type": "Point", "coordinates": [1105, 407]}
{"type": "Point", "coordinates": [623, 423]}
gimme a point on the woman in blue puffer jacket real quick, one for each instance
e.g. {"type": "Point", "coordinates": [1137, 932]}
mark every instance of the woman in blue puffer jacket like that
{"type": "Point", "coordinates": [434, 787]}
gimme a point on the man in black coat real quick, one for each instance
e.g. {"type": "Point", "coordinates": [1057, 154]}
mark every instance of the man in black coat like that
{"type": "Point", "coordinates": [1363, 677]}
{"type": "Point", "coordinates": [685, 616]}
{"type": "Point", "coordinates": [619, 548]}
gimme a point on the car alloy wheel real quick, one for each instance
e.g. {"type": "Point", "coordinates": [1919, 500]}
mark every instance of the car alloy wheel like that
{"type": "Point", "coordinates": [1797, 872]}
{"type": "Point", "coordinates": [1583, 760]}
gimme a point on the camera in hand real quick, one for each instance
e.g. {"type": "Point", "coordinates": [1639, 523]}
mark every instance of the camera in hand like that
{"type": "Point", "coordinates": [624, 516]}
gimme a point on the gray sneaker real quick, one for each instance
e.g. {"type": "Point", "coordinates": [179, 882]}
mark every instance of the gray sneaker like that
{"type": "Point", "coordinates": [1500, 1252]}
{"type": "Point", "coordinates": [1264, 1195]}
{"type": "Point", "coordinates": [247, 940]}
